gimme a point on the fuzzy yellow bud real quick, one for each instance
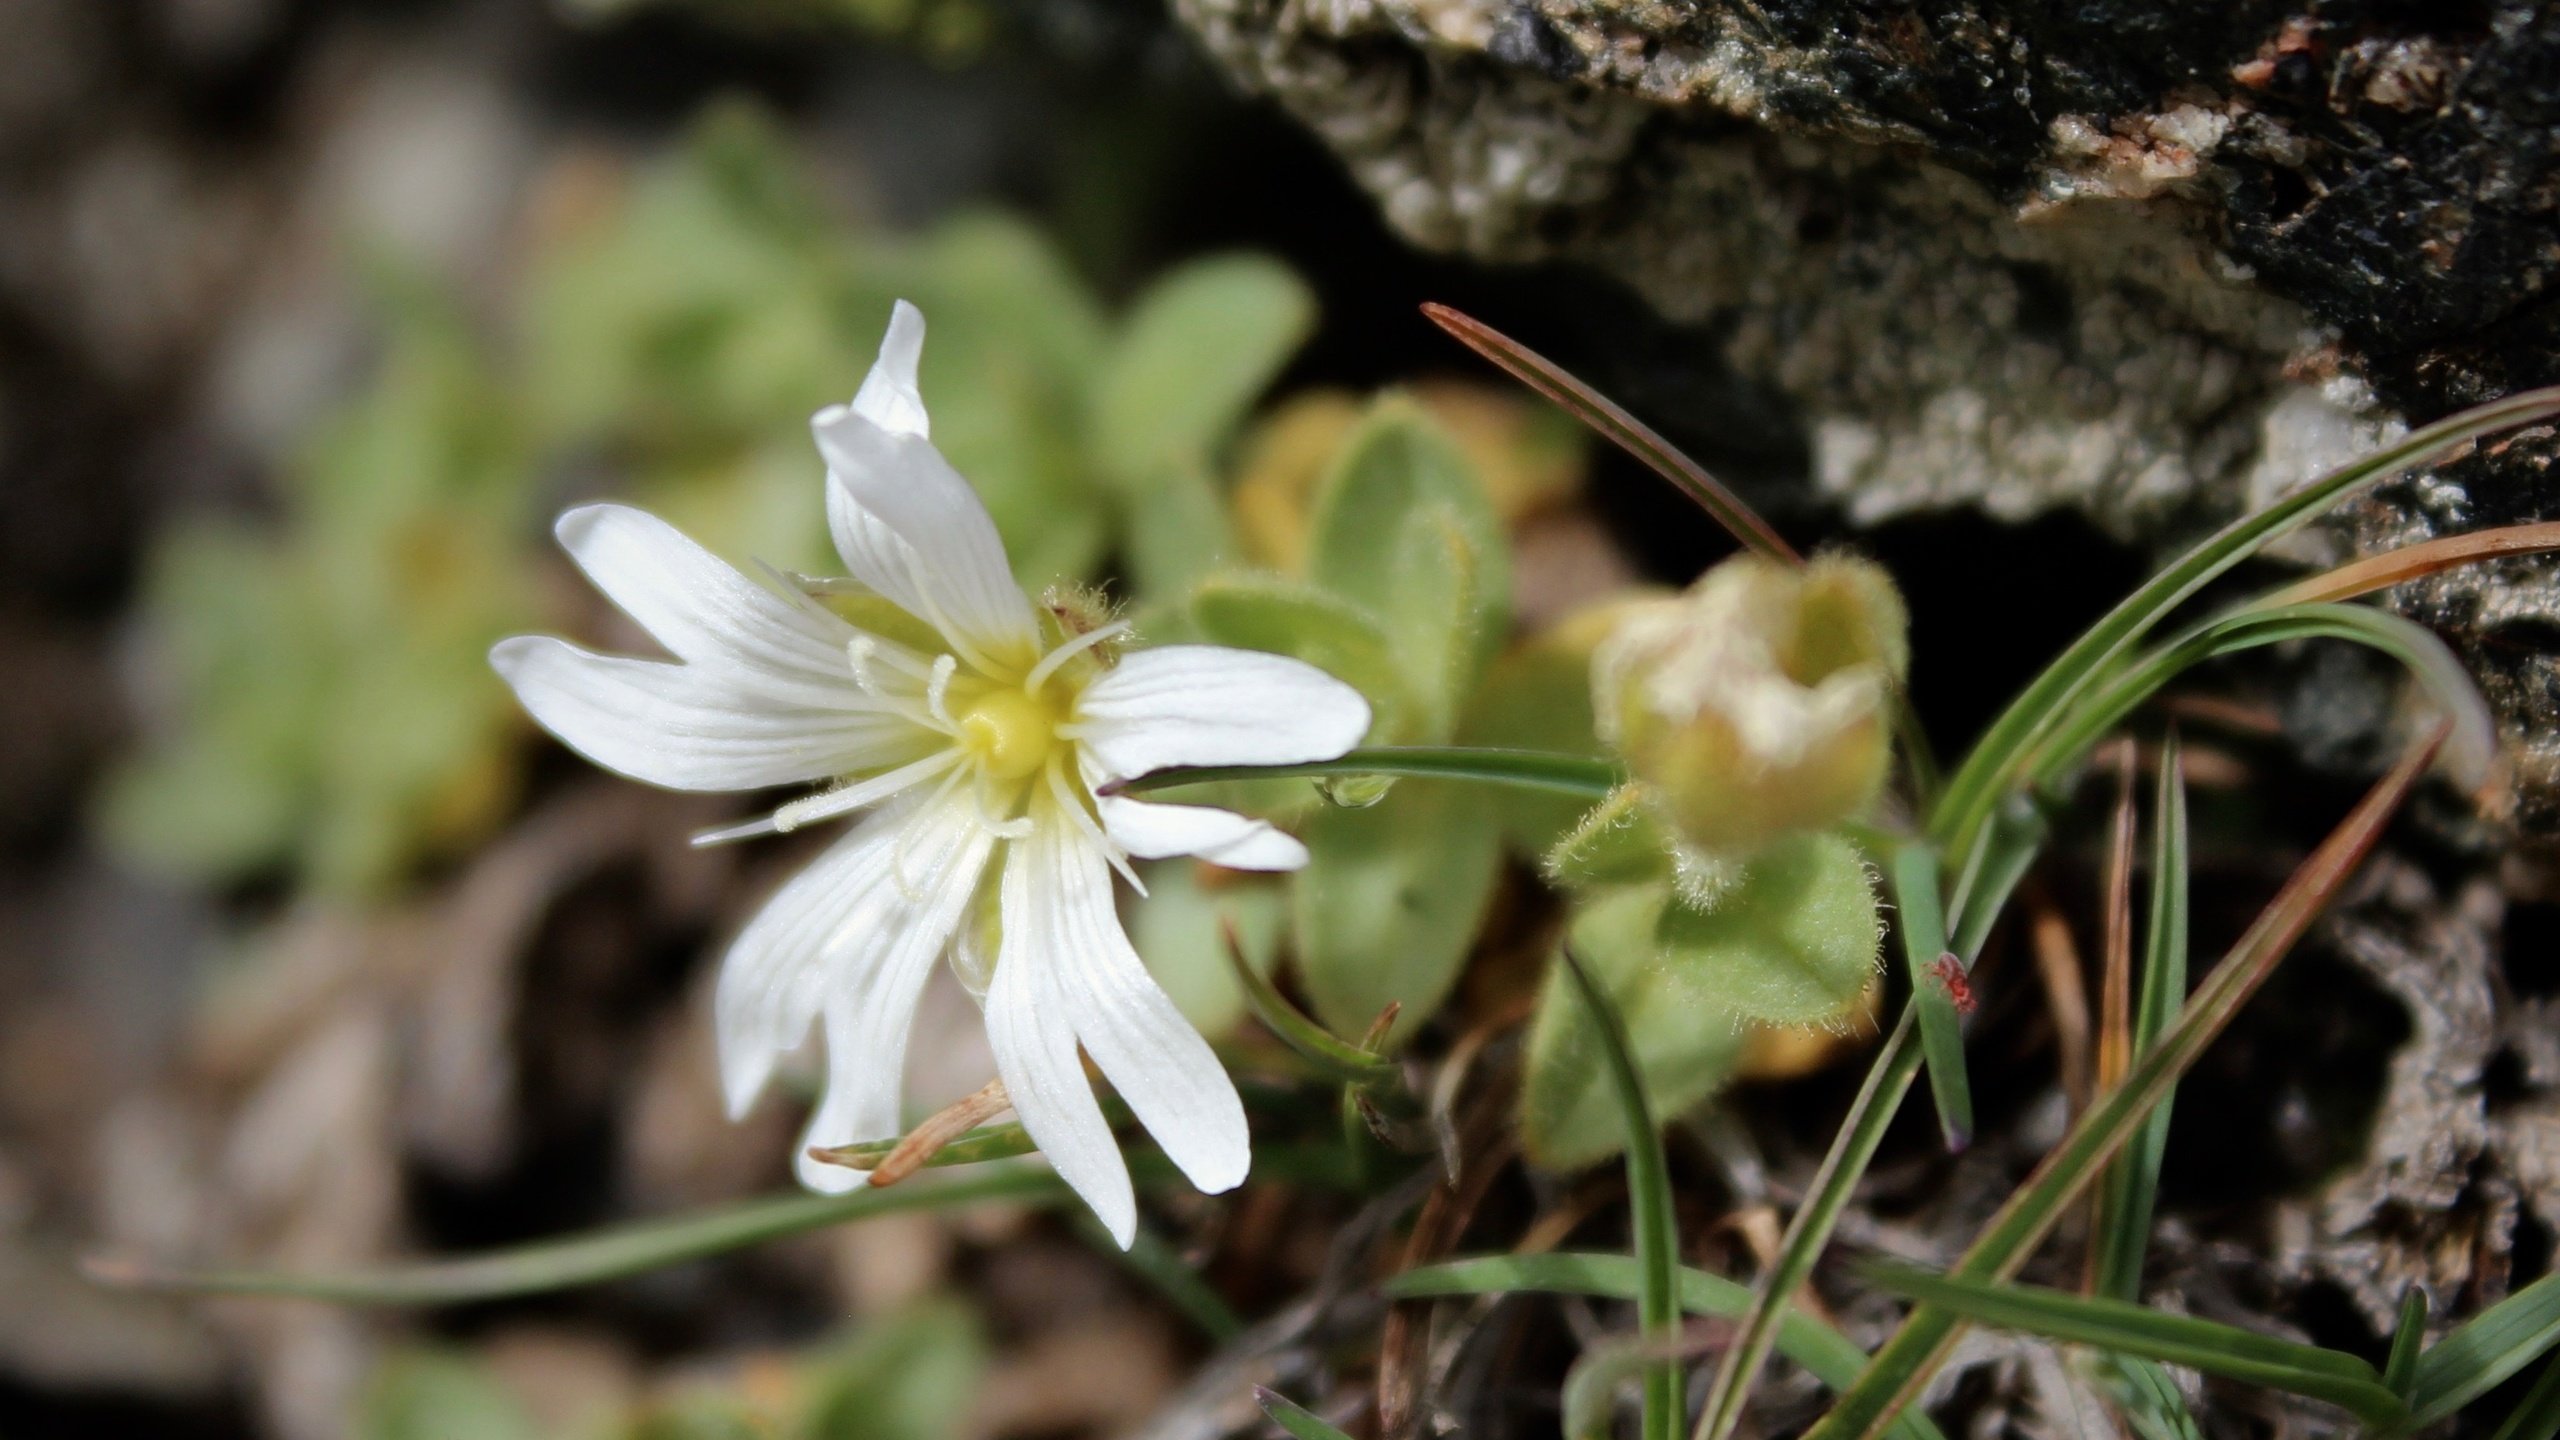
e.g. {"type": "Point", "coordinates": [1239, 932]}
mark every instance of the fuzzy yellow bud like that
{"type": "Point", "coordinates": [1756, 705]}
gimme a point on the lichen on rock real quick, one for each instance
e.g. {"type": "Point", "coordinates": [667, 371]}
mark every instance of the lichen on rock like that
{"type": "Point", "coordinates": [2142, 260]}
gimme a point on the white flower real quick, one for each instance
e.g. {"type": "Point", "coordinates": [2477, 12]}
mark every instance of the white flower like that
{"type": "Point", "coordinates": [978, 736]}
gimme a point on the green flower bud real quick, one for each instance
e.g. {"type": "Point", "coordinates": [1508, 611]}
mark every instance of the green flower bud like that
{"type": "Point", "coordinates": [1755, 706]}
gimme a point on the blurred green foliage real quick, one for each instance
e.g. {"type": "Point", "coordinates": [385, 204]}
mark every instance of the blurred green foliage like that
{"type": "Point", "coordinates": [951, 31]}
{"type": "Point", "coordinates": [325, 704]}
{"type": "Point", "coordinates": [908, 1376]}
{"type": "Point", "coordinates": [1405, 593]}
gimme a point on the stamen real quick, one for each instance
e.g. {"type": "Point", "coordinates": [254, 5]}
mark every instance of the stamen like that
{"type": "Point", "coordinates": [1073, 804]}
{"type": "Point", "coordinates": [1050, 662]}
{"type": "Point", "coordinates": [864, 650]}
{"type": "Point", "coordinates": [857, 654]}
{"type": "Point", "coordinates": [868, 792]}
{"type": "Point", "coordinates": [937, 692]}
{"type": "Point", "coordinates": [829, 804]}
{"type": "Point", "coordinates": [747, 830]}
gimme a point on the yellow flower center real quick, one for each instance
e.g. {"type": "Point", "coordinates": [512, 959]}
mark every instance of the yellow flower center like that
{"type": "Point", "coordinates": [1008, 732]}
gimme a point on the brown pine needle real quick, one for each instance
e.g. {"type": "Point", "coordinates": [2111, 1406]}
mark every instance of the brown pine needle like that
{"type": "Point", "coordinates": [2415, 562]}
{"type": "Point", "coordinates": [1622, 429]}
{"type": "Point", "coordinates": [921, 1144]}
{"type": "Point", "coordinates": [2115, 986]}
{"type": "Point", "coordinates": [2066, 995]}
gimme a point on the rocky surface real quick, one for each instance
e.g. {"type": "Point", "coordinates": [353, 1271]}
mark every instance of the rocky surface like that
{"type": "Point", "coordinates": [2146, 259]}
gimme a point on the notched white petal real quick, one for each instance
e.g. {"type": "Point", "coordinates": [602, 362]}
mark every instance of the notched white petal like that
{"type": "Point", "coordinates": [1033, 1036]}
{"type": "Point", "coordinates": [1141, 1043]}
{"type": "Point", "coordinates": [1222, 837]}
{"type": "Point", "coordinates": [698, 606]}
{"type": "Point", "coordinates": [871, 1009]}
{"type": "Point", "coordinates": [688, 727]}
{"type": "Point", "coordinates": [889, 397]}
{"type": "Point", "coordinates": [778, 970]}
{"type": "Point", "coordinates": [1209, 705]}
{"type": "Point", "coordinates": [911, 528]}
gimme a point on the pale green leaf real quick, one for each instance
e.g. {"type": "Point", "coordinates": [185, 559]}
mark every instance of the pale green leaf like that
{"type": "Point", "coordinates": [1179, 929]}
{"type": "Point", "coordinates": [1403, 529]}
{"type": "Point", "coordinates": [1389, 903]}
{"type": "Point", "coordinates": [1793, 942]}
{"type": "Point", "coordinates": [1683, 1035]}
{"type": "Point", "coordinates": [1193, 354]}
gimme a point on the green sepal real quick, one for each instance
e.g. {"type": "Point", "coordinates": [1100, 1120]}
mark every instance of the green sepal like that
{"type": "Point", "coordinates": [1617, 842]}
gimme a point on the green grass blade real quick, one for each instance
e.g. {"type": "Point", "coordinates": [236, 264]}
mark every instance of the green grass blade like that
{"type": "Point", "coordinates": [607, 1254]}
{"type": "Point", "coordinates": [1924, 939]}
{"type": "Point", "coordinates": [1825, 1353]}
{"type": "Point", "coordinates": [1649, 1198]}
{"type": "Point", "coordinates": [2133, 1181]}
{"type": "Point", "coordinates": [2537, 1416]}
{"type": "Point", "coordinates": [1293, 1417]}
{"type": "Point", "coordinates": [1974, 790]}
{"type": "Point", "coordinates": [1591, 1382]}
{"type": "Point", "coordinates": [1525, 769]}
{"type": "Point", "coordinates": [2408, 1338]}
{"type": "Point", "coordinates": [1996, 866]}
{"type": "Point", "coordinates": [1852, 1149]}
{"type": "Point", "coordinates": [2146, 1395]}
{"type": "Point", "coordinates": [1991, 873]}
{"type": "Point", "coordinates": [2437, 669]}
{"type": "Point", "coordinates": [2113, 1325]}
{"type": "Point", "coordinates": [1904, 1365]}
{"type": "Point", "coordinates": [2485, 1350]}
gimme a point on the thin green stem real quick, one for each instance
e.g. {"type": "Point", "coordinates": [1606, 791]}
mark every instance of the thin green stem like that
{"type": "Point", "coordinates": [1525, 769]}
{"type": "Point", "coordinates": [1649, 1197]}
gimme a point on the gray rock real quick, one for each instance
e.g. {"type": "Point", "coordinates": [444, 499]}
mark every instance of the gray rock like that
{"type": "Point", "coordinates": [2145, 259]}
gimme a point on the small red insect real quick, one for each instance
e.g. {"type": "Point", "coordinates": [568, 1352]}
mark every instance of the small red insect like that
{"type": "Point", "coordinates": [1948, 971]}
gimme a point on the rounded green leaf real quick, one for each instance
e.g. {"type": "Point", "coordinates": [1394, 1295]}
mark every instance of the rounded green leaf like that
{"type": "Point", "coordinates": [1193, 354]}
{"type": "Point", "coordinates": [1792, 942]}
{"type": "Point", "coordinates": [1389, 903]}
{"type": "Point", "coordinates": [1681, 1035]}
{"type": "Point", "coordinates": [1404, 530]}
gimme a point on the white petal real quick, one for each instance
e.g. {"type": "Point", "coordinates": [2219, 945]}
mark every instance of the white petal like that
{"type": "Point", "coordinates": [1208, 705]}
{"type": "Point", "coordinates": [1221, 837]}
{"type": "Point", "coordinates": [912, 529]}
{"type": "Point", "coordinates": [1142, 1044]}
{"type": "Point", "coordinates": [777, 970]}
{"type": "Point", "coordinates": [851, 926]}
{"type": "Point", "coordinates": [699, 607]}
{"type": "Point", "coordinates": [888, 397]}
{"type": "Point", "coordinates": [868, 1020]}
{"type": "Point", "coordinates": [1034, 1040]}
{"type": "Point", "coordinates": [694, 727]}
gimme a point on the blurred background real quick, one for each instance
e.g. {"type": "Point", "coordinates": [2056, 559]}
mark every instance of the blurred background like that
{"type": "Point", "coordinates": [311, 315]}
{"type": "Point", "coordinates": [313, 952]}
